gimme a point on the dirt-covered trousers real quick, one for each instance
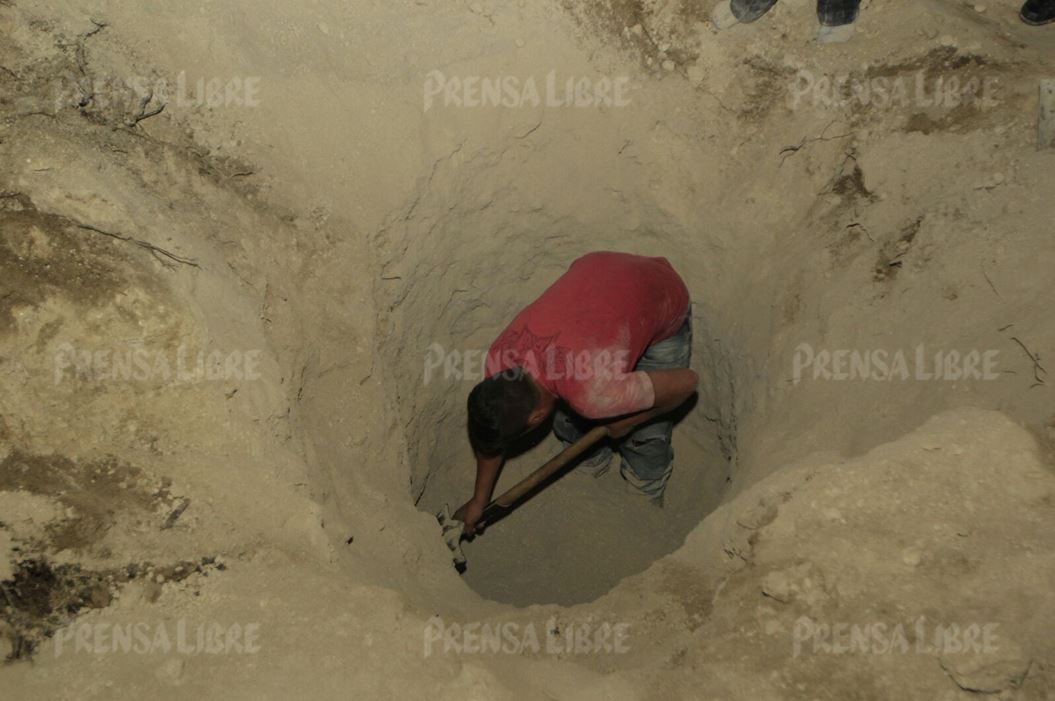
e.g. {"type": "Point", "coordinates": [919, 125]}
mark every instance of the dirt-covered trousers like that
{"type": "Point", "coordinates": [647, 456]}
{"type": "Point", "coordinates": [832, 13]}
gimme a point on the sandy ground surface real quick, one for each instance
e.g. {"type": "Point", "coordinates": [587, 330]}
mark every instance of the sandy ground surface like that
{"type": "Point", "coordinates": [217, 424]}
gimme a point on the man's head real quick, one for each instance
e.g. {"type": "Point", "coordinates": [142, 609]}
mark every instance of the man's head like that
{"type": "Point", "coordinates": [502, 408]}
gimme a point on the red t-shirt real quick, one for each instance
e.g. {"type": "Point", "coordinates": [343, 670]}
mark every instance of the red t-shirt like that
{"type": "Point", "coordinates": [582, 338]}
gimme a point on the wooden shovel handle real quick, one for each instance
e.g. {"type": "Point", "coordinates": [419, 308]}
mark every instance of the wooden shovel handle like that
{"type": "Point", "coordinates": [510, 497]}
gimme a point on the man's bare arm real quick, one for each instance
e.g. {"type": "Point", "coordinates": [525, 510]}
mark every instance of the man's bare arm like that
{"type": "Point", "coordinates": [672, 389]}
{"type": "Point", "coordinates": [486, 476]}
{"type": "Point", "coordinates": [487, 470]}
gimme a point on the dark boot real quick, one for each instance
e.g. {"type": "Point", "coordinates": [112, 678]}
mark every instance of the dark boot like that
{"type": "Point", "coordinates": [835, 13]}
{"type": "Point", "coordinates": [747, 11]}
{"type": "Point", "coordinates": [1038, 11]}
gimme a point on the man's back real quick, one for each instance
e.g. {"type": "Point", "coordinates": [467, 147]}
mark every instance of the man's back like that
{"type": "Point", "coordinates": [582, 337]}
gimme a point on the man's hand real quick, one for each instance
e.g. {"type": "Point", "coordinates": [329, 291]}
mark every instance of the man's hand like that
{"type": "Point", "coordinates": [469, 513]}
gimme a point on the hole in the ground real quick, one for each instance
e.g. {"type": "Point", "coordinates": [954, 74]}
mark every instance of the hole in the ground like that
{"type": "Point", "coordinates": [575, 539]}
{"type": "Point", "coordinates": [445, 301]}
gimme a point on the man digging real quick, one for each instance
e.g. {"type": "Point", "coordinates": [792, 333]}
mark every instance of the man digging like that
{"type": "Point", "coordinates": [607, 343]}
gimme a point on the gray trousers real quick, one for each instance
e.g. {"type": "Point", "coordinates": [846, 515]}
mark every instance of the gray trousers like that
{"type": "Point", "coordinates": [647, 457]}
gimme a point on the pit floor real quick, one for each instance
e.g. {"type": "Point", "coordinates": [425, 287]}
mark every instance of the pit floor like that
{"type": "Point", "coordinates": [577, 538]}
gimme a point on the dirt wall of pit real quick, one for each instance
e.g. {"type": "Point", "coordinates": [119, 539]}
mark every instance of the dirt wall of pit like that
{"type": "Point", "coordinates": [341, 229]}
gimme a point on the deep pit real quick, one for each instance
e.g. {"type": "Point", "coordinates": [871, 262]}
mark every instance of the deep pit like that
{"type": "Point", "coordinates": [348, 233]}
{"type": "Point", "coordinates": [579, 536]}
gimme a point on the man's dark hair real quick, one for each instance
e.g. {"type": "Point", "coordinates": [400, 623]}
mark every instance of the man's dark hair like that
{"type": "Point", "coordinates": [499, 408]}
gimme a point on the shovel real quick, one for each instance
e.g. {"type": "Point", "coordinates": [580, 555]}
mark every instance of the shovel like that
{"type": "Point", "coordinates": [454, 530]}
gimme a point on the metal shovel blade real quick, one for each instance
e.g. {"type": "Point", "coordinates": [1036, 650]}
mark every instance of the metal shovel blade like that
{"type": "Point", "coordinates": [453, 530]}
